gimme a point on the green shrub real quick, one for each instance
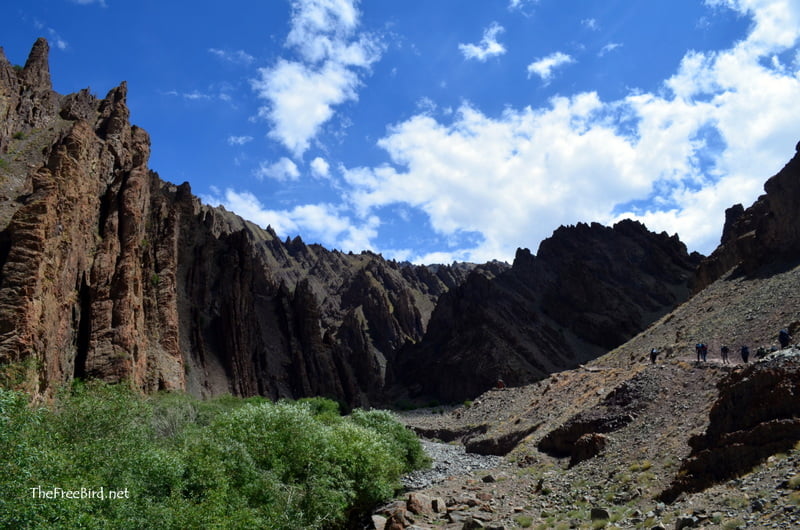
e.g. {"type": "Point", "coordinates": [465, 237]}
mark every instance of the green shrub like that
{"type": "Point", "coordinates": [323, 409]}
{"type": "Point", "coordinates": [185, 463]}
{"type": "Point", "coordinates": [402, 440]}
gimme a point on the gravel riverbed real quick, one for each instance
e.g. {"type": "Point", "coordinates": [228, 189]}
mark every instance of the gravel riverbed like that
{"type": "Point", "coordinates": [449, 460]}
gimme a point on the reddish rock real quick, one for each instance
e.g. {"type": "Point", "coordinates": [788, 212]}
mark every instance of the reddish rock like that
{"type": "Point", "coordinates": [419, 503]}
{"type": "Point", "coordinates": [396, 521]}
{"type": "Point", "coordinates": [587, 446]}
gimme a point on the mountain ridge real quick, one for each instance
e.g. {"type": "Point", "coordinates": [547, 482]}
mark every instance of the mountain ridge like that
{"type": "Point", "coordinates": [109, 272]}
{"type": "Point", "coordinates": [676, 441]}
{"type": "Point", "coordinates": [162, 290]}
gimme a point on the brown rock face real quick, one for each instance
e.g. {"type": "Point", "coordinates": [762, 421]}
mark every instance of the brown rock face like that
{"type": "Point", "coordinates": [108, 272]}
{"type": "Point", "coordinates": [71, 291]}
{"type": "Point", "coordinates": [589, 289]}
{"type": "Point", "coordinates": [27, 100]}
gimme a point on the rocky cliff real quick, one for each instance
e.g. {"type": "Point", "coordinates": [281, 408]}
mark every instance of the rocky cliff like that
{"type": "Point", "coordinates": [589, 289]}
{"type": "Point", "coordinates": [107, 271]}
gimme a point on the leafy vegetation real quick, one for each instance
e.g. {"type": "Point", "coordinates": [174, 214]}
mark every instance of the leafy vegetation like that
{"type": "Point", "coordinates": [177, 462]}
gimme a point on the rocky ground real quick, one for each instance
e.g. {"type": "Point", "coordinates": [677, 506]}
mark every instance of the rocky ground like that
{"type": "Point", "coordinates": [601, 446]}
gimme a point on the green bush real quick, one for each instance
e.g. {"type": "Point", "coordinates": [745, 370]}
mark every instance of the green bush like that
{"type": "Point", "coordinates": [323, 409]}
{"type": "Point", "coordinates": [402, 440]}
{"type": "Point", "coordinates": [185, 463]}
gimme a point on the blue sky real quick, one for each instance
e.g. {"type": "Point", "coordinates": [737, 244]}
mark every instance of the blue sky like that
{"type": "Point", "coordinates": [444, 130]}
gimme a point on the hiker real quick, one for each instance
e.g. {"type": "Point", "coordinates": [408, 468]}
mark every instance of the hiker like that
{"type": "Point", "coordinates": [699, 349]}
{"type": "Point", "coordinates": [704, 351]}
{"type": "Point", "coordinates": [745, 354]}
{"type": "Point", "coordinates": [653, 355]}
{"type": "Point", "coordinates": [784, 338]}
{"type": "Point", "coordinates": [725, 350]}
{"type": "Point", "coordinates": [500, 385]}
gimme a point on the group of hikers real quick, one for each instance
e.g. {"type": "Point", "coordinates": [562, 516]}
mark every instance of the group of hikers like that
{"type": "Point", "coordinates": [701, 349]}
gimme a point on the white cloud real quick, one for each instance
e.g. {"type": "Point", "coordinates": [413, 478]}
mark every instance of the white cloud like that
{"type": "Point", "coordinates": [591, 23]}
{"type": "Point", "coordinates": [425, 105]}
{"type": "Point", "coordinates": [519, 4]}
{"type": "Point", "coordinates": [320, 28]}
{"type": "Point", "coordinates": [674, 159]}
{"type": "Point", "coordinates": [239, 140]}
{"type": "Point", "coordinates": [302, 99]}
{"type": "Point", "coordinates": [322, 223]}
{"type": "Point", "coordinates": [492, 176]}
{"type": "Point", "coordinates": [610, 47]}
{"type": "Point", "coordinates": [320, 168]}
{"type": "Point", "coordinates": [237, 57]}
{"type": "Point", "coordinates": [56, 39]}
{"type": "Point", "coordinates": [282, 170]}
{"type": "Point", "coordinates": [776, 22]}
{"type": "Point", "coordinates": [301, 95]}
{"type": "Point", "coordinates": [544, 67]}
{"type": "Point", "coordinates": [487, 47]}
{"type": "Point", "coordinates": [197, 95]}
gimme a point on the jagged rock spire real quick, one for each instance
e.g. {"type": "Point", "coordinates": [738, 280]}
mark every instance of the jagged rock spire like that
{"type": "Point", "coordinates": [37, 68]}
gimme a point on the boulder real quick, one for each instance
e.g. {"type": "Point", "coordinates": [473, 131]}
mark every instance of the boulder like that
{"type": "Point", "coordinates": [587, 446]}
{"type": "Point", "coordinates": [419, 504]}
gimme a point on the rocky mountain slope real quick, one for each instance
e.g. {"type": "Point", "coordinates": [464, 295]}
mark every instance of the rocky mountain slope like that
{"type": "Point", "coordinates": [588, 289]}
{"type": "Point", "coordinates": [107, 271]}
{"type": "Point", "coordinates": [679, 443]}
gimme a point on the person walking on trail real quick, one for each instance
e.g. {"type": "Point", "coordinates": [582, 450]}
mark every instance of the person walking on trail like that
{"type": "Point", "coordinates": [699, 349]}
{"type": "Point", "coordinates": [745, 354]}
{"type": "Point", "coordinates": [704, 351]}
{"type": "Point", "coordinates": [724, 351]}
{"type": "Point", "coordinates": [653, 355]}
{"type": "Point", "coordinates": [784, 338]}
